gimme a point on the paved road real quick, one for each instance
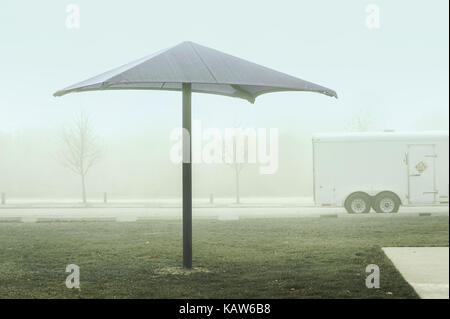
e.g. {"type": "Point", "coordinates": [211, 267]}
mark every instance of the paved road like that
{"type": "Point", "coordinates": [425, 268]}
{"type": "Point", "coordinates": [222, 213]}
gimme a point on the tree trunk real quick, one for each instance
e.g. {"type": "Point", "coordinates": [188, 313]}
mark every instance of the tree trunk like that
{"type": "Point", "coordinates": [238, 199]}
{"type": "Point", "coordinates": [83, 189]}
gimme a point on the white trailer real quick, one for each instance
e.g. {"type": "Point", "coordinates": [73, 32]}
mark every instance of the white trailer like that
{"type": "Point", "coordinates": [381, 170]}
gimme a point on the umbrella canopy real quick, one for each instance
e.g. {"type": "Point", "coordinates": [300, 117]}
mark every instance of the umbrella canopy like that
{"type": "Point", "coordinates": [189, 67]}
{"type": "Point", "coordinates": [209, 71]}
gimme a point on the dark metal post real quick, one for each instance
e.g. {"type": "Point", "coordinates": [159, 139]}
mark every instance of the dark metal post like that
{"type": "Point", "coordinates": [187, 177]}
{"type": "Point", "coordinates": [105, 198]}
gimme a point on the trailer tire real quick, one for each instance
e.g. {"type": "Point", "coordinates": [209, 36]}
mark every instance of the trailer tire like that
{"type": "Point", "coordinates": [358, 203]}
{"type": "Point", "coordinates": [386, 203]}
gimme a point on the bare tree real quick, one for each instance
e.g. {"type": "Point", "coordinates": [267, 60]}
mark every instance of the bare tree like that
{"type": "Point", "coordinates": [80, 149]}
{"type": "Point", "coordinates": [360, 122]}
{"type": "Point", "coordinates": [234, 158]}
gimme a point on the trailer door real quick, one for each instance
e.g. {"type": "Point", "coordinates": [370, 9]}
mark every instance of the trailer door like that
{"type": "Point", "coordinates": [421, 169]}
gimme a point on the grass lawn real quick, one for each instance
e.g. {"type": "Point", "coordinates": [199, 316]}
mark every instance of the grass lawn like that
{"type": "Point", "coordinates": [249, 258]}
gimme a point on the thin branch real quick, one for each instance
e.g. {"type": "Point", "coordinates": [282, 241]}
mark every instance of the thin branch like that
{"type": "Point", "coordinates": [80, 146]}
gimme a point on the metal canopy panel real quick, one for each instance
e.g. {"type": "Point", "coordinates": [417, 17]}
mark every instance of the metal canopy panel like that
{"type": "Point", "coordinates": [209, 71]}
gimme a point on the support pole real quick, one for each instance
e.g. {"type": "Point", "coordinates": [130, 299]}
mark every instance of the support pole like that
{"type": "Point", "coordinates": [187, 177]}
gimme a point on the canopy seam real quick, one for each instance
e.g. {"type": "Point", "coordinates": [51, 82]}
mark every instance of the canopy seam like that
{"type": "Point", "coordinates": [201, 59]}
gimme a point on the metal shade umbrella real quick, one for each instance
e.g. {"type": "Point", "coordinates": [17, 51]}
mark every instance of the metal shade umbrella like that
{"type": "Point", "coordinates": [190, 67]}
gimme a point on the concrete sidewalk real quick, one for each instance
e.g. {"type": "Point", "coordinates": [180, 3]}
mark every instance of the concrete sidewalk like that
{"type": "Point", "coordinates": [137, 213]}
{"type": "Point", "coordinates": [425, 268]}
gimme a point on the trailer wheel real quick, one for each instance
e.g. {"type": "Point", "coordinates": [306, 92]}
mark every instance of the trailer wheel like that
{"type": "Point", "coordinates": [386, 203]}
{"type": "Point", "coordinates": [358, 203]}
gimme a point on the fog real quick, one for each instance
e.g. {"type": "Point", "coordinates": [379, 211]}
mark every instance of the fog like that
{"type": "Point", "coordinates": [138, 166]}
{"type": "Point", "coordinates": [391, 78]}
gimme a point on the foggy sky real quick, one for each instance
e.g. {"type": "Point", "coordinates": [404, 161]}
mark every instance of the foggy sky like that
{"type": "Point", "coordinates": [395, 76]}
